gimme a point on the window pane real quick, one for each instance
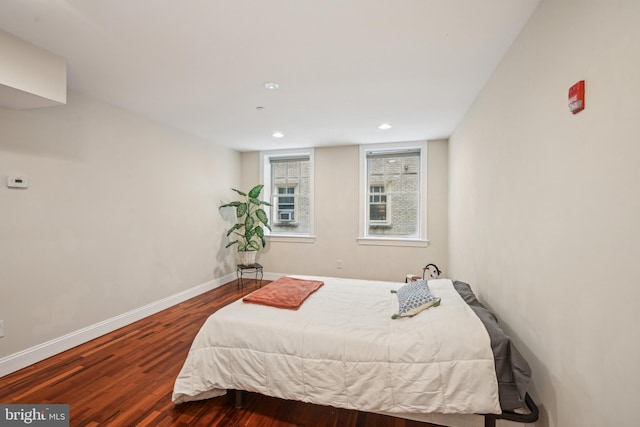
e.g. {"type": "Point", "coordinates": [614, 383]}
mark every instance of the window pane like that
{"type": "Point", "coordinates": [378, 212]}
{"type": "Point", "coordinates": [290, 182]}
{"type": "Point", "coordinates": [394, 183]}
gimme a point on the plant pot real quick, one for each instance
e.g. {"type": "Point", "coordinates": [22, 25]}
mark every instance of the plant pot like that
{"type": "Point", "coordinates": [247, 257]}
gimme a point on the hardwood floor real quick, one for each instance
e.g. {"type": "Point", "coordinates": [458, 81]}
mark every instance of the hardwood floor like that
{"type": "Point", "coordinates": [125, 378]}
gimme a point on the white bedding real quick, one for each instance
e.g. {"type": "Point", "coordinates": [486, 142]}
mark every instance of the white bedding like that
{"type": "Point", "coordinates": [341, 348]}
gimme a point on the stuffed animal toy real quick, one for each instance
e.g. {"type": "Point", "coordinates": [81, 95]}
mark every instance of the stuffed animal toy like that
{"type": "Point", "coordinates": [430, 271]}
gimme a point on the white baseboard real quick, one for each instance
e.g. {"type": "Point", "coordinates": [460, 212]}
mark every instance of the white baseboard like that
{"type": "Point", "coordinates": [24, 358]}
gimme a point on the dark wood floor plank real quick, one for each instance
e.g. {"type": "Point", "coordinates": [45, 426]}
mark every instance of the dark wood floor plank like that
{"type": "Point", "coordinates": [126, 377]}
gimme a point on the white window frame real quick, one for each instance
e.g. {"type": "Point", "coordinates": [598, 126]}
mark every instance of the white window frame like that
{"type": "Point", "coordinates": [421, 239]}
{"type": "Point", "coordinates": [265, 173]}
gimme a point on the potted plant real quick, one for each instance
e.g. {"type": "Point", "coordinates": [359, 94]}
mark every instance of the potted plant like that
{"type": "Point", "coordinates": [249, 228]}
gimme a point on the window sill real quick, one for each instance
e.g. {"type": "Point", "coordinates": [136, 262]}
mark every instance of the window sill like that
{"type": "Point", "coordinates": [286, 224]}
{"type": "Point", "coordinates": [380, 241]}
{"type": "Point", "coordinates": [291, 238]}
{"type": "Point", "coordinates": [380, 225]}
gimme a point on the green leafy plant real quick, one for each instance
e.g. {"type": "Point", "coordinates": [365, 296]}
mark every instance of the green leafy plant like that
{"type": "Point", "coordinates": [251, 219]}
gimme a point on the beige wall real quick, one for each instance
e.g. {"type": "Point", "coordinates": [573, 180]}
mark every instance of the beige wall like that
{"type": "Point", "coordinates": [336, 222]}
{"type": "Point", "coordinates": [120, 212]}
{"type": "Point", "coordinates": [544, 208]}
{"type": "Point", "coordinates": [30, 77]}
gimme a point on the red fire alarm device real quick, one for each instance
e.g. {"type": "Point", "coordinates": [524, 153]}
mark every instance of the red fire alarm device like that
{"type": "Point", "coordinates": [576, 97]}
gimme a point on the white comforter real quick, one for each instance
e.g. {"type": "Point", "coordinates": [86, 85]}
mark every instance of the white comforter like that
{"type": "Point", "coordinates": [341, 348]}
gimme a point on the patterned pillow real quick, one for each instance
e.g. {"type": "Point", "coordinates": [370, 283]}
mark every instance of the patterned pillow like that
{"type": "Point", "coordinates": [420, 283]}
{"type": "Point", "coordinates": [414, 286]}
{"type": "Point", "coordinates": [413, 298]}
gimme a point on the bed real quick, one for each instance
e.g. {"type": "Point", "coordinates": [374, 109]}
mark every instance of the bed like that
{"type": "Point", "coordinates": [342, 348]}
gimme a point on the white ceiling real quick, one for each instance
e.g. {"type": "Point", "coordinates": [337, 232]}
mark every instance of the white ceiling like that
{"type": "Point", "coordinates": [343, 66]}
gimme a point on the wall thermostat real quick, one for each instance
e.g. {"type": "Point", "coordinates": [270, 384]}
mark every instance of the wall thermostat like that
{"type": "Point", "coordinates": [17, 182]}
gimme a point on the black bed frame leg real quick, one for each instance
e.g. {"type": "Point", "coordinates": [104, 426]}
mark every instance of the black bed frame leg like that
{"type": "Point", "coordinates": [238, 399]}
{"type": "Point", "coordinates": [489, 421]}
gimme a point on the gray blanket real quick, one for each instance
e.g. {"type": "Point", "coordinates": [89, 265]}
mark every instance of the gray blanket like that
{"type": "Point", "coordinates": [512, 370]}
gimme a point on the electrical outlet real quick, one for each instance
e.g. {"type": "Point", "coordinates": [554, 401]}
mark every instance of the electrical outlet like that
{"type": "Point", "coordinates": [1, 328]}
{"type": "Point", "coordinates": [339, 263]}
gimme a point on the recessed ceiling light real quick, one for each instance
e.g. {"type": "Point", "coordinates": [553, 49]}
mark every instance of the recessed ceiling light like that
{"type": "Point", "coordinates": [271, 85]}
{"type": "Point", "coordinates": [384, 126]}
{"type": "Point", "coordinates": [277, 134]}
{"type": "Point", "coordinates": [259, 108]}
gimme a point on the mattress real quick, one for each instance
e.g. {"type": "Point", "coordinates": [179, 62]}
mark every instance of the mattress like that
{"type": "Point", "coordinates": [342, 348]}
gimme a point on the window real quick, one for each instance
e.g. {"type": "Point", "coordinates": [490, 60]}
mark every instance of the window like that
{"type": "Point", "coordinates": [286, 204]}
{"type": "Point", "coordinates": [288, 185]}
{"type": "Point", "coordinates": [392, 188]}
{"type": "Point", "coordinates": [377, 204]}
